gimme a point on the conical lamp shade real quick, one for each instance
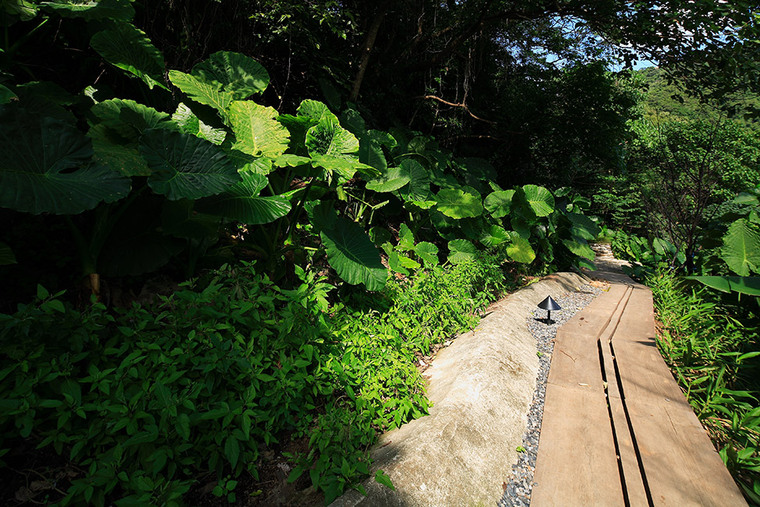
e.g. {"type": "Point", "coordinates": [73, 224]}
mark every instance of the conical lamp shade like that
{"type": "Point", "coordinates": [549, 304]}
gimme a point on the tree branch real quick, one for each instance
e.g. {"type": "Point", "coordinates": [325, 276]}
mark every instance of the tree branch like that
{"type": "Point", "coordinates": [453, 104]}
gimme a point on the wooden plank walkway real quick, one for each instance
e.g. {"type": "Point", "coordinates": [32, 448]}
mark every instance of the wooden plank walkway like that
{"type": "Point", "coordinates": [617, 430]}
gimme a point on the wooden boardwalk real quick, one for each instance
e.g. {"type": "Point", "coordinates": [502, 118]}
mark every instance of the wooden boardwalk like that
{"type": "Point", "coordinates": [617, 430]}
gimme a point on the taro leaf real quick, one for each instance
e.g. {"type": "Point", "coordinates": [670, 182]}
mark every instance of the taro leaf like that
{"type": "Point", "coordinates": [45, 98]}
{"type": "Point", "coordinates": [392, 179]}
{"type": "Point", "coordinates": [540, 200]}
{"type": "Point", "coordinates": [583, 226]}
{"type": "Point", "coordinates": [519, 250]}
{"type": "Point", "coordinates": [749, 285]}
{"type": "Point", "coordinates": [184, 166]}
{"type": "Point", "coordinates": [6, 255]}
{"type": "Point", "coordinates": [129, 49]}
{"type": "Point", "coordinates": [93, 10]}
{"type": "Point", "coordinates": [585, 263]}
{"type": "Point", "coordinates": [427, 252]}
{"type": "Point", "coordinates": [371, 153]}
{"type": "Point", "coordinates": [238, 74]}
{"type": "Point", "coordinates": [191, 124]}
{"type": "Point", "coordinates": [353, 255]}
{"type": "Point", "coordinates": [379, 235]}
{"type": "Point", "coordinates": [257, 132]}
{"type": "Point", "coordinates": [456, 203]}
{"type": "Point", "coordinates": [315, 111]}
{"type": "Point", "coordinates": [344, 167]}
{"type": "Point", "coordinates": [663, 247]}
{"type": "Point", "coordinates": [328, 138]}
{"type": "Point", "coordinates": [208, 93]}
{"type": "Point", "coordinates": [418, 188]}
{"type": "Point", "coordinates": [405, 238]}
{"type": "Point", "coordinates": [499, 203]}
{"type": "Point", "coordinates": [408, 262]}
{"type": "Point", "coordinates": [579, 247]}
{"type": "Point", "coordinates": [116, 152]}
{"type": "Point", "coordinates": [494, 236]}
{"type": "Point", "coordinates": [243, 203]}
{"type": "Point", "coordinates": [47, 167]}
{"type": "Point", "coordinates": [128, 118]}
{"type": "Point", "coordinates": [477, 171]}
{"type": "Point", "coordinates": [461, 250]}
{"type": "Point", "coordinates": [741, 248]}
{"type": "Point", "coordinates": [24, 9]}
{"type": "Point", "coordinates": [353, 122]}
{"type": "Point", "coordinates": [290, 160]}
{"type": "Point", "coordinates": [6, 95]}
{"type": "Point", "coordinates": [322, 215]}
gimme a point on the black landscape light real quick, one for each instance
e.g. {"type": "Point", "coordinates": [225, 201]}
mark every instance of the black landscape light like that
{"type": "Point", "coordinates": [549, 305]}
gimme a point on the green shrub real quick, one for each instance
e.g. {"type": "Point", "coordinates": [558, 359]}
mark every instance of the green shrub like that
{"type": "Point", "coordinates": [145, 400]}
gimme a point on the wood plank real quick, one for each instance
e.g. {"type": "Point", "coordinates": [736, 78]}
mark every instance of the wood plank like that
{"type": "Point", "coordinates": [576, 463]}
{"type": "Point", "coordinates": [633, 482]}
{"type": "Point", "coordinates": [680, 463]}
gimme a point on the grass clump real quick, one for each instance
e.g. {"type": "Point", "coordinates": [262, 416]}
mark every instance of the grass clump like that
{"type": "Point", "coordinates": [138, 406]}
{"type": "Point", "coordinates": [712, 347]}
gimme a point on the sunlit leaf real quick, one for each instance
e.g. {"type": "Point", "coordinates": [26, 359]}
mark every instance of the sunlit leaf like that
{"type": "Point", "coordinates": [456, 203]}
{"type": "Point", "coordinates": [741, 248]}
{"type": "Point", "coordinates": [427, 252]}
{"type": "Point", "coordinates": [392, 179]}
{"type": "Point", "coordinates": [499, 203]}
{"type": "Point", "coordinates": [243, 203]}
{"type": "Point", "coordinates": [461, 250]}
{"type": "Point", "coordinates": [520, 250]}
{"type": "Point", "coordinates": [129, 49]}
{"type": "Point", "coordinates": [190, 123]}
{"type": "Point", "coordinates": [256, 130]}
{"type": "Point", "coordinates": [540, 200]}
{"type": "Point", "coordinates": [240, 75]}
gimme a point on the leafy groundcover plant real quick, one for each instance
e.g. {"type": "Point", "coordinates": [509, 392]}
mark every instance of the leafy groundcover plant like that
{"type": "Point", "coordinates": [140, 406]}
{"type": "Point", "coordinates": [711, 344]}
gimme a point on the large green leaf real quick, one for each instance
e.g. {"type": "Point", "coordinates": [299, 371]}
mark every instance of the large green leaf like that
{"type": "Point", "coordinates": [583, 226]}
{"type": "Point", "coordinates": [116, 152]}
{"type": "Point", "coordinates": [579, 247]}
{"type": "Point", "coordinates": [184, 166]}
{"type": "Point", "coordinates": [418, 188]}
{"type": "Point", "coordinates": [499, 203]}
{"type": "Point", "coordinates": [46, 167]}
{"type": "Point", "coordinates": [129, 118]}
{"type": "Point", "coordinates": [749, 285]}
{"type": "Point", "coordinates": [257, 132]}
{"type": "Point", "coordinates": [353, 255]}
{"type": "Point", "coordinates": [540, 200]}
{"type": "Point", "coordinates": [741, 248]}
{"type": "Point", "coordinates": [392, 179]}
{"type": "Point", "coordinates": [371, 153]}
{"type": "Point", "coordinates": [238, 74]}
{"type": "Point", "coordinates": [494, 236]}
{"type": "Point", "coordinates": [519, 250]}
{"type": "Point", "coordinates": [427, 252]}
{"type": "Point", "coordinates": [188, 122]}
{"type": "Point", "coordinates": [461, 250]}
{"type": "Point", "coordinates": [456, 203]}
{"type": "Point", "coordinates": [243, 203]}
{"type": "Point", "coordinates": [315, 111]}
{"type": "Point", "coordinates": [129, 49]}
{"type": "Point", "coordinates": [92, 10]}
{"type": "Point", "coordinates": [330, 139]}
{"type": "Point", "coordinates": [203, 92]}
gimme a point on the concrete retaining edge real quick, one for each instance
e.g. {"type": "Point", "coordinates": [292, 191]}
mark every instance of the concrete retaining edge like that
{"type": "Point", "coordinates": [481, 387]}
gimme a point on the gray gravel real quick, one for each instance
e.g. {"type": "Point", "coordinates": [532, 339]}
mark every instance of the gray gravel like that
{"type": "Point", "coordinates": [520, 483]}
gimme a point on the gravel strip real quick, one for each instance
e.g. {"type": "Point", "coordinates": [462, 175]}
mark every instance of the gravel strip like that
{"type": "Point", "coordinates": [520, 483]}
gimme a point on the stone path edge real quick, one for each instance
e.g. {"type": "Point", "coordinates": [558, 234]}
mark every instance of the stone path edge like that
{"type": "Point", "coordinates": [481, 387]}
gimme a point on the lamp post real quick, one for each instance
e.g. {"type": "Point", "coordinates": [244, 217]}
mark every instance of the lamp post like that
{"type": "Point", "coordinates": [549, 305]}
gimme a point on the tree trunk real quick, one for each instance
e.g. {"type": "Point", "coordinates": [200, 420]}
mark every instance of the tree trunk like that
{"type": "Point", "coordinates": [369, 43]}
